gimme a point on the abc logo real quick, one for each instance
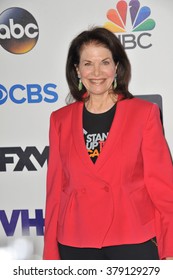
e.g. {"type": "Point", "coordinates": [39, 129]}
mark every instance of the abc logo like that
{"type": "Point", "coordinates": [18, 31]}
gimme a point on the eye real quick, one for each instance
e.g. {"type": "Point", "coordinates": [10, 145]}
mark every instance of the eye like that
{"type": "Point", "coordinates": [106, 62]}
{"type": "Point", "coordinates": [87, 63]}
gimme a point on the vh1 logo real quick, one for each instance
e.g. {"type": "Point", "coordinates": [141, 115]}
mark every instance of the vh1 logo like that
{"type": "Point", "coordinates": [22, 217]}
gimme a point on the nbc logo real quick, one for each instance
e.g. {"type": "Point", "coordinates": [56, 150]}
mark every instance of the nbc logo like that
{"type": "Point", "coordinates": [134, 18]}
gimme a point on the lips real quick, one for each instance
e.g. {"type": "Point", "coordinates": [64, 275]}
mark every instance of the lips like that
{"type": "Point", "coordinates": [97, 82]}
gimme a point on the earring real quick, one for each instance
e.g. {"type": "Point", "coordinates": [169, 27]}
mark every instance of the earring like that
{"type": "Point", "coordinates": [115, 82]}
{"type": "Point", "coordinates": [80, 85]}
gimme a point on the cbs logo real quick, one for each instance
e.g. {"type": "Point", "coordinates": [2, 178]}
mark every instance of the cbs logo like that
{"type": "Point", "coordinates": [19, 30]}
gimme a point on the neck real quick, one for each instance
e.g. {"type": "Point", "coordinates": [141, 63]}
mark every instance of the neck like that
{"type": "Point", "coordinates": [97, 104]}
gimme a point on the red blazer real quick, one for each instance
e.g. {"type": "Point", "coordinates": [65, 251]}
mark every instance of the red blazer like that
{"type": "Point", "coordinates": [125, 197]}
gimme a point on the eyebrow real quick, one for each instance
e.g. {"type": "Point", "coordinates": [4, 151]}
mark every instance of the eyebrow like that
{"type": "Point", "coordinates": [87, 60]}
{"type": "Point", "coordinates": [107, 58]}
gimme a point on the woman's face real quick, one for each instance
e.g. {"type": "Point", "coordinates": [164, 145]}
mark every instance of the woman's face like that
{"type": "Point", "coordinates": [96, 69]}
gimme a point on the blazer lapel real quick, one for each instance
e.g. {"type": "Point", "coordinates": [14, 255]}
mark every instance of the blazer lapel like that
{"type": "Point", "coordinates": [111, 141]}
{"type": "Point", "coordinates": [77, 133]}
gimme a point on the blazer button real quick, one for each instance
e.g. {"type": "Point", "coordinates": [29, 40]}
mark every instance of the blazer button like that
{"type": "Point", "coordinates": [106, 188]}
{"type": "Point", "coordinates": [83, 190]}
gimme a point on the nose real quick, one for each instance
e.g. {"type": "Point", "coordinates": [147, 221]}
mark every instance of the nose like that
{"type": "Point", "coordinates": [96, 70]}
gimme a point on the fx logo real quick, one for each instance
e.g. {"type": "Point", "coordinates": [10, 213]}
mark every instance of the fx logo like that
{"type": "Point", "coordinates": [24, 158]}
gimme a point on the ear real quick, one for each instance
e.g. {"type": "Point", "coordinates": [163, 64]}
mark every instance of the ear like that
{"type": "Point", "coordinates": [117, 66]}
{"type": "Point", "coordinates": [77, 70]}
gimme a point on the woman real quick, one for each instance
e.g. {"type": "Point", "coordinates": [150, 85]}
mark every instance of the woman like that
{"type": "Point", "coordinates": [110, 175]}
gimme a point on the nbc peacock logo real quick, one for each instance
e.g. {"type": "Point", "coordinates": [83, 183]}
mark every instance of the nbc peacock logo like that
{"type": "Point", "coordinates": [134, 18]}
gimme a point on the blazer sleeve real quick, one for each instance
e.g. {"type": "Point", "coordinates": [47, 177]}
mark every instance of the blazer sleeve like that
{"type": "Point", "coordinates": [158, 175]}
{"type": "Point", "coordinates": [54, 183]}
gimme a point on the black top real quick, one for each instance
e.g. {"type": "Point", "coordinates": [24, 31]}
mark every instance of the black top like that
{"type": "Point", "coordinates": [96, 128]}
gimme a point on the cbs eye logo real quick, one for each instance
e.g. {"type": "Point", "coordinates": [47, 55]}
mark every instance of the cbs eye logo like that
{"type": "Point", "coordinates": [19, 31]}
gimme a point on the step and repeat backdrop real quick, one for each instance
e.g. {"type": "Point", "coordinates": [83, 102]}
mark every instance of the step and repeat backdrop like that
{"type": "Point", "coordinates": [34, 40]}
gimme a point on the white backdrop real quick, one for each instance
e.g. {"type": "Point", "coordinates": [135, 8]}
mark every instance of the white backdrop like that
{"type": "Point", "coordinates": [27, 78]}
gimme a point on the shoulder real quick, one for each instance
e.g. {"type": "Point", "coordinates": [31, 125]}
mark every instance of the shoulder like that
{"type": "Point", "coordinates": [65, 111]}
{"type": "Point", "coordinates": [139, 105]}
{"type": "Point", "coordinates": [136, 101]}
{"type": "Point", "coordinates": [139, 111]}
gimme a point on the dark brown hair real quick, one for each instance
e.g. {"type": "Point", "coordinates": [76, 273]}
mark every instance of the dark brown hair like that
{"type": "Point", "coordinates": [104, 37]}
